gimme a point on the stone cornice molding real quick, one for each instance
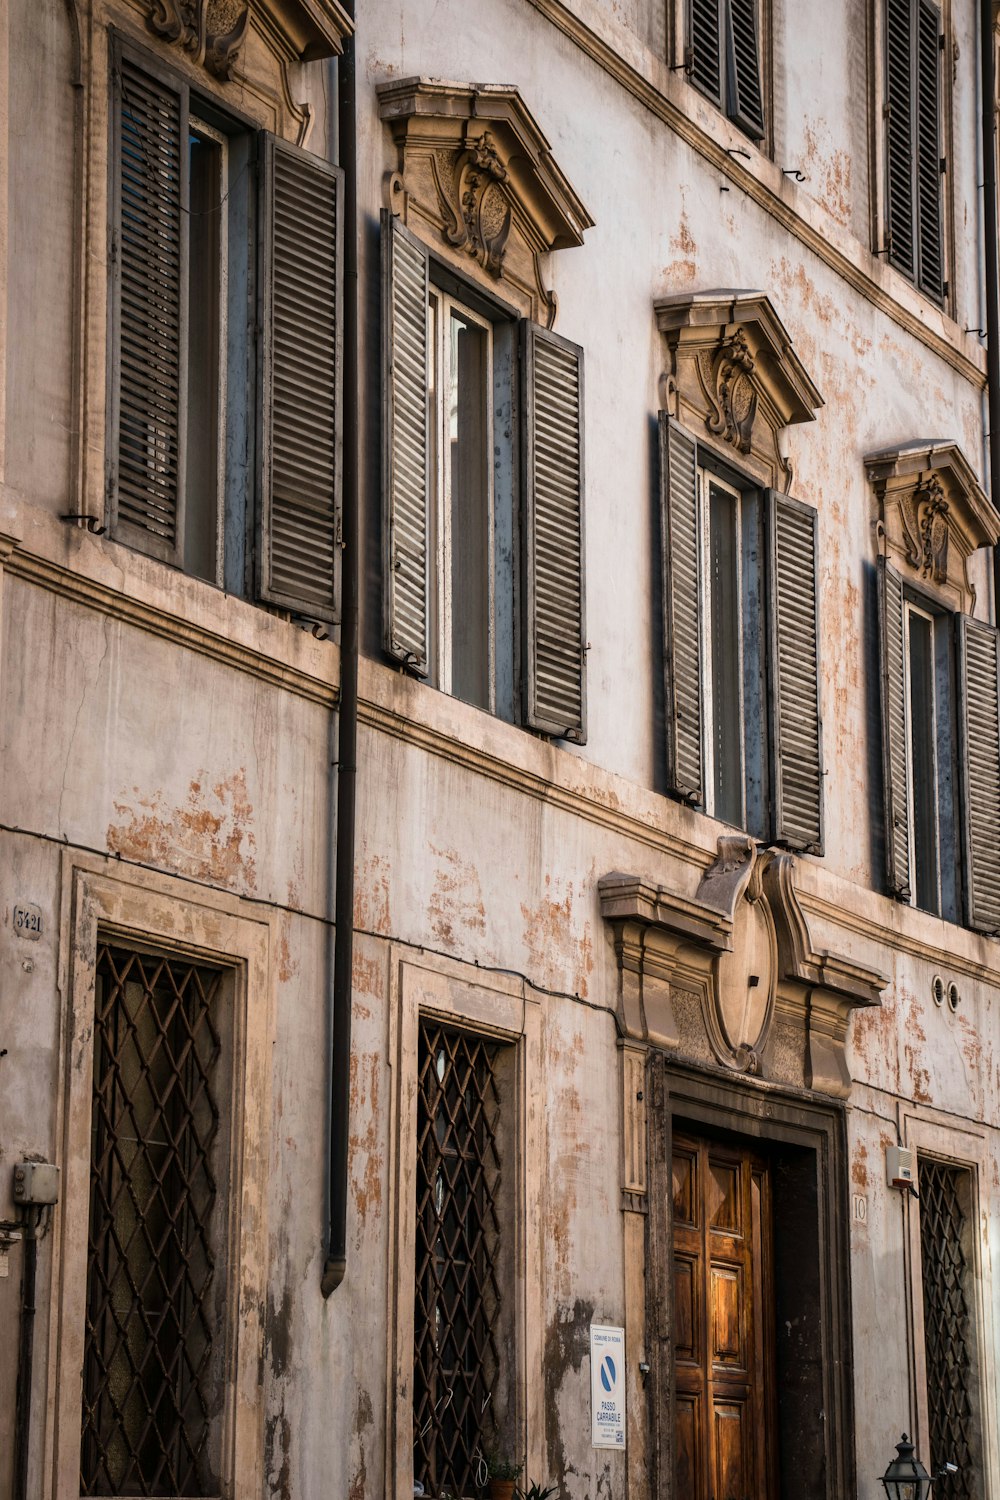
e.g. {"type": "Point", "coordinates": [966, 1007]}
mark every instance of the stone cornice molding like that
{"type": "Point", "coordinates": [931, 514]}
{"type": "Point", "coordinates": [733, 373]}
{"type": "Point", "coordinates": [742, 945]}
{"type": "Point", "coordinates": [474, 166]}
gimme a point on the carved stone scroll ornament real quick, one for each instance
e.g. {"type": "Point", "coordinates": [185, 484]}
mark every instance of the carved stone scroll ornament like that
{"type": "Point", "coordinates": [210, 31]}
{"type": "Point", "coordinates": [742, 946]}
{"type": "Point", "coordinates": [727, 378]}
{"type": "Point", "coordinates": [476, 211]}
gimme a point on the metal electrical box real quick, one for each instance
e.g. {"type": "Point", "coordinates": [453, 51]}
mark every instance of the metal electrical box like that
{"type": "Point", "coordinates": [37, 1183]}
{"type": "Point", "coordinates": [901, 1166]}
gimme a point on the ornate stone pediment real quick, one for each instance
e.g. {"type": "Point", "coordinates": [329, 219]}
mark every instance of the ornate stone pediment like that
{"type": "Point", "coordinates": [734, 377]}
{"type": "Point", "coordinates": [732, 976]}
{"type": "Point", "coordinates": [931, 515]}
{"type": "Point", "coordinates": [475, 176]}
{"type": "Point", "coordinates": [212, 32]}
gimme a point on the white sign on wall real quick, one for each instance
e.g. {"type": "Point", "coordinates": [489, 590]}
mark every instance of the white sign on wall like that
{"type": "Point", "coordinates": [607, 1386]}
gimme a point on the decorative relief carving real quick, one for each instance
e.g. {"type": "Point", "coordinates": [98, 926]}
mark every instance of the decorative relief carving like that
{"type": "Point", "coordinates": [733, 374]}
{"type": "Point", "coordinates": [742, 949]}
{"type": "Point", "coordinates": [210, 31]}
{"type": "Point", "coordinates": [726, 378]}
{"type": "Point", "coordinates": [475, 173]}
{"type": "Point", "coordinates": [931, 515]}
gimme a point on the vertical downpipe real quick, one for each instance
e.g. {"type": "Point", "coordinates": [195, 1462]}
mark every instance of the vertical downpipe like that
{"type": "Point", "coordinates": [991, 291]}
{"type": "Point", "coordinates": [335, 1266]}
{"type": "Point", "coordinates": [25, 1351]}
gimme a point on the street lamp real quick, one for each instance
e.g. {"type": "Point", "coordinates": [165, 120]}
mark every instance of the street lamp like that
{"type": "Point", "coordinates": [906, 1478]}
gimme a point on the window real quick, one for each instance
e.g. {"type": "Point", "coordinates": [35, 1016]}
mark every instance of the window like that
{"type": "Point", "coordinates": [156, 1272]}
{"type": "Point", "coordinates": [462, 1370]}
{"type": "Point", "coordinates": [223, 456]}
{"type": "Point", "coordinates": [723, 58]}
{"type": "Point", "coordinates": [741, 646]}
{"type": "Point", "coordinates": [941, 755]}
{"type": "Point", "coordinates": [483, 496]}
{"type": "Point", "coordinates": [914, 164]}
{"type": "Point", "coordinates": [952, 1364]}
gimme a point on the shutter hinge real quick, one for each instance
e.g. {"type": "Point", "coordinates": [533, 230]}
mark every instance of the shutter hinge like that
{"type": "Point", "coordinates": [887, 110]}
{"type": "Point", "coordinates": [944, 165]}
{"type": "Point", "coordinates": [113, 253]}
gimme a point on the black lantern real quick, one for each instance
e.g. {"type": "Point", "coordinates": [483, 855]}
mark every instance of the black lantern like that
{"type": "Point", "coordinates": [906, 1478]}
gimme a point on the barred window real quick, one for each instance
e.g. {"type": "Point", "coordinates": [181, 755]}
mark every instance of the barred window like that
{"type": "Point", "coordinates": [463, 1332]}
{"type": "Point", "coordinates": [152, 1386]}
{"type": "Point", "coordinates": [949, 1327]}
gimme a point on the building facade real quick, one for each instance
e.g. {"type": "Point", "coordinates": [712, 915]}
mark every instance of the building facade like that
{"type": "Point", "coordinates": [621, 370]}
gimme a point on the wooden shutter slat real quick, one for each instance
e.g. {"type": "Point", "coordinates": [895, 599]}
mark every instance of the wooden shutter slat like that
{"type": "Point", "coordinates": [298, 556]}
{"type": "Point", "coordinates": [679, 555]}
{"type": "Point", "coordinates": [552, 497]}
{"type": "Point", "coordinates": [979, 718]}
{"type": "Point", "coordinates": [148, 304]}
{"type": "Point", "coordinates": [894, 743]}
{"type": "Point", "coordinates": [705, 42]}
{"type": "Point", "coordinates": [405, 445]}
{"type": "Point", "coordinates": [746, 105]}
{"type": "Point", "coordinates": [793, 633]}
{"type": "Point", "coordinates": [899, 91]}
{"type": "Point", "coordinates": [928, 149]}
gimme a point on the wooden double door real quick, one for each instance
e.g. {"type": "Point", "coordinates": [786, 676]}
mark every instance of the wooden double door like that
{"type": "Point", "coordinates": [723, 1323]}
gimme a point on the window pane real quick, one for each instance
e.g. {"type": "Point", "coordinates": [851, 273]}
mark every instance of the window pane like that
{"type": "Point", "coordinates": [202, 468]}
{"type": "Point", "coordinates": [150, 1397]}
{"type": "Point", "coordinates": [724, 651]}
{"type": "Point", "coordinates": [923, 761]}
{"type": "Point", "coordinates": [470, 518]}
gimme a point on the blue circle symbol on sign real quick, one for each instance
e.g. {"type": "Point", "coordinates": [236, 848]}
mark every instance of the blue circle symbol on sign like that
{"type": "Point", "coordinates": [609, 1374]}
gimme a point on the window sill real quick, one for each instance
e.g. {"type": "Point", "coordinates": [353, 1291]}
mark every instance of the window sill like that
{"type": "Point", "coordinates": [140, 591]}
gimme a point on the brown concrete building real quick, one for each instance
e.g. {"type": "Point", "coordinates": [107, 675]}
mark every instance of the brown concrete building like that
{"type": "Point", "coordinates": [627, 1023]}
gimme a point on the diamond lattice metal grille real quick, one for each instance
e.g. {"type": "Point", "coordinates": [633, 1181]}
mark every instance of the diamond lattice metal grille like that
{"type": "Point", "coordinates": [947, 1327]}
{"type": "Point", "coordinates": [149, 1393]}
{"type": "Point", "coordinates": [458, 1296]}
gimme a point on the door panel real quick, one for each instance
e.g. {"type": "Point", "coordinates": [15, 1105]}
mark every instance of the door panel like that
{"type": "Point", "coordinates": [723, 1318]}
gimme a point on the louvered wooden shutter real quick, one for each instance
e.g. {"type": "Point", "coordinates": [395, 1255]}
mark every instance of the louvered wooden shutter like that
{"type": "Point", "coordinates": [681, 609]}
{"type": "Point", "coordinates": [979, 717]}
{"type": "Point", "coordinates": [899, 91]}
{"type": "Point", "coordinates": [746, 104]}
{"type": "Point", "coordinates": [298, 552]}
{"type": "Point", "coordinates": [405, 444]}
{"type": "Point", "coordinates": [793, 635]}
{"type": "Point", "coordinates": [928, 149]}
{"type": "Point", "coordinates": [148, 311]}
{"type": "Point", "coordinates": [894, 742]}
{"type": "Point", "coordinates": [704, 58]}
{"type": "Point", "coordinates": [554, 643]}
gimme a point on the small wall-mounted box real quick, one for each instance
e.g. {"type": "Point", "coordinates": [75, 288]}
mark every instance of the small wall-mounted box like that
{"type": "Point", "coordinates": [36, 1183]}
{"type": "Point", "coordinates": [901, 1167]}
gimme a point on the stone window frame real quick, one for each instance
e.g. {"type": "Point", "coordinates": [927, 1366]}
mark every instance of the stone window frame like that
{"type": "Point", "coordinates": [496, 1006]}
{"type": "Point", "coordinates": [928, 1133]}
{"type": "Point", "coordinates": [169, 914]}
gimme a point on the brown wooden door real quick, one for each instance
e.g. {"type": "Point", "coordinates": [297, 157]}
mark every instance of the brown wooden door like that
{"type": "Point", "coordinates": [722, 1324]}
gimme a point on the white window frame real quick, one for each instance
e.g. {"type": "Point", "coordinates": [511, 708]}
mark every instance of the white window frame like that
{"type": "Point", "coordinates": [440, 307]}
{"type": "Point", "coordinates": [495, 1006]}
{"type": "Point", "coordinates": [167, 914]}
{"type": "Point", "coordinates": [707, 479]}
{"type": "Point", "coordinates": [909, 610]}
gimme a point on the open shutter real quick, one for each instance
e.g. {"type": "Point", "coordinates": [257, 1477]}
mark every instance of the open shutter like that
{"type": "Point", "coordinates": [746, 103]}
{"type": "Point", "coordinates": [298, 552]}
{"type": "Point", "coordinates": [704, 52]}
{"type": "Point", "coordinates": [681, 608]}
{"type": "Point", "coordinates": [148, 309]}
{"type": "Point", "coordinates": [899, 100]}
{"type": "Point", "coordinates": [894, 751]}
{"type": "Point", "coordinates": [552, 499]}
{"type": "Point", "coordinates": [793, 635]}
{"type": "Point", "coordinates": [405, 444]}
{"type": "Point", "coordinates": [979, 717]}
{"type": "Point", "coordinates": [928, 149]}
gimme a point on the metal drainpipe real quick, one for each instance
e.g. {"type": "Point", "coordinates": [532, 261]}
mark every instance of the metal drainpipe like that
{"type": "Point", "coordinates": [335, 1266]}
{"type": "Point", "coordinates": [26, 1341]}
{"type": "Point", "coordinates": [991, 289]}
